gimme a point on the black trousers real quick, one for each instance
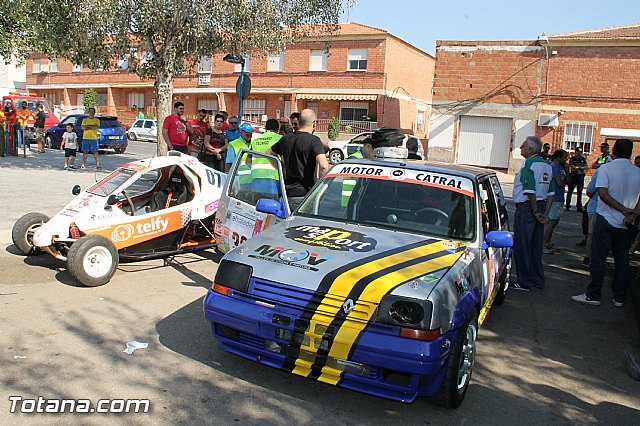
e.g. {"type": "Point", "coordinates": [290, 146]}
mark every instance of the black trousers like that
{"type": "Point", "coordinates": [576, 182]}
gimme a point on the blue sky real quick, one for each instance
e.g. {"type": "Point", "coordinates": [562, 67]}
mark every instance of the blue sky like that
{"type": "Point", "coordinates": [422, 22]}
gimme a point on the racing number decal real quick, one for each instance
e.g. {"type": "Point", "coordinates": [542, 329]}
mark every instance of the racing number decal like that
{"type": "Point", "coordinates": [367, 280]}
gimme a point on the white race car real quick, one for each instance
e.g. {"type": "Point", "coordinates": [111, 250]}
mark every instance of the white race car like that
{"type": "Point", "coordinates": [339, 150]}
{"type": "Point", "coordinates": [152, 208]}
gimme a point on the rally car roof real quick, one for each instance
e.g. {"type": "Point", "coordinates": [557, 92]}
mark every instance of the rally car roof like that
{"type": "Point", "coordinates": [470, 172]}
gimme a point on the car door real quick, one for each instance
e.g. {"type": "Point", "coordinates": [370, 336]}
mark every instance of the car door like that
{"type": "Point", "coordinates": [492, 220]}
{"type": "Point", "coordinates": [136, 129]}
{"type": "Point", "coordinates": [237, 219]}
{"type": "Point", "coordinates": [148, 130]}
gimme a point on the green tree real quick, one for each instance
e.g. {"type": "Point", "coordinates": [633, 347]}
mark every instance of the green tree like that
{"type": "Point", "coordinates": [162, 37]}
{"type": "Point", "coordinates": [89, 100]}
{"type": "Point", "coordinates": [334, 129]}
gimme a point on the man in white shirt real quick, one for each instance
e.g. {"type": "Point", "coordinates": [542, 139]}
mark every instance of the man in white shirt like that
{"type": "Point", "coordinates": [533, 191]}
{"type": "Point", "coordinates": [618, 187]}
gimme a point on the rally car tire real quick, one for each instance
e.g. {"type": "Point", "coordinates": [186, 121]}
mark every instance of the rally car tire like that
{"type": "Point", "coordinates": [335, 156]}
{"type": "Point", "coordinates": [23, 230]}
{"type": "Point", "coordinates": [459, 365]}
{"type": "Point", "coordinates": [92, 260]}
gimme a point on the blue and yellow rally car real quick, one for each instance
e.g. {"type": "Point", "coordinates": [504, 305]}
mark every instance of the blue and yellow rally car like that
{"type": "Point", "coordinates": [378, 282]}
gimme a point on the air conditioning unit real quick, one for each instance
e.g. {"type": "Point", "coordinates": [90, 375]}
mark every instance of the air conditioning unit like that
{"type": "Point", "coordinates": [547, 120]}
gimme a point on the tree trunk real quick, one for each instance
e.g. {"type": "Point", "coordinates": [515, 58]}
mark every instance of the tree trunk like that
{"type": "Point", "coordinates": [164, 99]}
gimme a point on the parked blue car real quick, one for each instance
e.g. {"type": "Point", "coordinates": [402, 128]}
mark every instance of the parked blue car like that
{"type": "Point", "coordinates": [111, 134]}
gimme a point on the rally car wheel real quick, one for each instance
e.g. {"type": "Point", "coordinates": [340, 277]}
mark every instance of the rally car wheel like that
{"type": "Point", "coordinates": [336, 156]}
{"type": "Point", "coordinates": [460, 365]}
{"type": "Point", "coordinates": [92, 260]}
{"type": "Point", "coordinates": [23, 230]}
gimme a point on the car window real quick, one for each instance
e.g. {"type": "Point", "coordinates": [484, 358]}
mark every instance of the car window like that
{"type": "Point", "coordinates": [144, 184]}
{"type": "Point", "coordinates": [148, 124]}
{"type": "Point", "coordinates": [32, 104]}
{"type": "Point", "coordinates": [360, 138]}
{"type": "Point", "coordinates": [398, 205]}
{"type": "Point", "coordinates": [137, 124]}
{"type": "Point", "coordinates": [69, 120]}
{"type": "Point", "coordinates": [490, 220]}
{"type": "Point", "coordinates": [109, 122]}
{"type": "Point", "coordinates": [502, 204]}
{"type": "Point", "coordinates": [111, 182]}
{"type": "Point", "coordinates": [255, 178]}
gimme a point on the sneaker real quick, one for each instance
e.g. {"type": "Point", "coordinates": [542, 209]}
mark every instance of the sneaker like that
{"type": "Point", "coordinates": [518, 286]}
{"type": "Point", "coordinates": [72, 167]}
{"type": "Point", "coordinates": [83, 167]}
{"type": "Point", "coordinates": [618, 304]}
{"type": "Point", "coordinates": [98, 168]}
{"type": "Point", "coordinates": [547, 249]}
{"type": "Point", "coordinates": [567, 208]}
{"type": "Point", "coordinates": [582, 298]}
{"type": "Point", "coordinates": [66, 168]}
{"type": "Point", "coordinates": [586, 261]}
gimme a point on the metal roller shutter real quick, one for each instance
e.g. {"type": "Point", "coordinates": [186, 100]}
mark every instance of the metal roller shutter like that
{"type": "Point", "coordinates": [484, 141]}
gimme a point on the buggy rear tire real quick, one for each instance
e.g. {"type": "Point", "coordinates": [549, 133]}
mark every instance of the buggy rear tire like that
{"type": "Point", "coordinates": [23, 230]}
{"type": "Point", "coordinates": [92, 260]}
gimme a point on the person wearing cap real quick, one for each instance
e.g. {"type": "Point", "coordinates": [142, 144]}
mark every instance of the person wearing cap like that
{"type": "Point", "coordinates": [301, 152]}
{"type": "Point", "coordinates": [243, 142]}
{"type": "Point", "coordinates": [604, 148]}
{"type": "Point", "coordinates": [264, 175]}
{"type": "Point", "coordinates": [577, 166]}
{"type": "Point", "coordinates": [618, 210]}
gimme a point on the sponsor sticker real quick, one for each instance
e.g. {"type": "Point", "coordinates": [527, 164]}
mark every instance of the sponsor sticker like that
{"type": "Point", "coordinates": [140, 229]}
{"type": "Point", "coordinates": [211, 206]}
{"type": "Point", "coordinates": [331, 238]}
{"type": "Point", "coordinates": [298, 259]}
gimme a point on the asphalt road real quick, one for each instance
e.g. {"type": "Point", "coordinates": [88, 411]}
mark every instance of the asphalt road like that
{"type": "Point", "coordinates": [542, 359]}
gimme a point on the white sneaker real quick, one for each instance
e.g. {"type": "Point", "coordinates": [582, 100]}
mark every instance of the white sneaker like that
{"type": "Point", "coordinates": [618, 304]}
{"type": "Point", "coordinates": [582, 298]}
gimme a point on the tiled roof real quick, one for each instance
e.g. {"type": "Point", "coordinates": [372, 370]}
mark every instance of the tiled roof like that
{"type": "Point", "coordinates": [352, 28]}
{"type": "Point", "coordinates": [625, 32]}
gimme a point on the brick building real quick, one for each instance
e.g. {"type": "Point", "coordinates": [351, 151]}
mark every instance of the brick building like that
{"type": "Point", "coordinates": [572, 89]}
{"type": "Point", "coordinates": [361, 71]}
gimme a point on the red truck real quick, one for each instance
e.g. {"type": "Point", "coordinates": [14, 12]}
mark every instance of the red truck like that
{"type": "Point", "coordinates": [13, 102]}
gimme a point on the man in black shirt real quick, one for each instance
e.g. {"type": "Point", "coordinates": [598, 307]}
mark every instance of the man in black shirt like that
{"type": "Point", "coordinates": [545, 153]}
{"type": "Point", "coordinates": [38, 127]}
{"type": "Point", "coordinates": [301, 152]}
{"type": "Point", "coordinates": [577, 165]}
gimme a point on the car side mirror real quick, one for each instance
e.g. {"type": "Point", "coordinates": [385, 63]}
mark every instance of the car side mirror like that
{"type": "Point", "coordinates": [112, 200]}
{"type": "Point", "coordinates": [499, 239]}
{"type": "Point", "coordinates": [76, 189]}
{"type": "Point", "coordinates": [265, 205]}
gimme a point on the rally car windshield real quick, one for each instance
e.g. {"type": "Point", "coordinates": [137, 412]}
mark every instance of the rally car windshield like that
{"type": "Point", "coordinates": [112, 182]}
{"type": "Point", "coordinates": [410, 206]}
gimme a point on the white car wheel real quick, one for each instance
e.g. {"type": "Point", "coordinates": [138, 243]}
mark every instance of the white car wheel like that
{"type": "Point", "coordinates": [97, 262]}
{"type": "Point", "coordinates": [92, 260]}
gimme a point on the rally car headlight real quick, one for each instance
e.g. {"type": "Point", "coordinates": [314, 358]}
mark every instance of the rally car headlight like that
{"type": "Point", "coordinates": [396, 310]}
{"type": "Point", "coordinates": [232, 275]}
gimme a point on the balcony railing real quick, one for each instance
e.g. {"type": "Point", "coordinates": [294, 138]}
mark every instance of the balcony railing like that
{"type": "Point", "coordinates": [347, 126]}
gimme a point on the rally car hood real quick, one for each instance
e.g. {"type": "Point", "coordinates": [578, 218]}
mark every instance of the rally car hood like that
{"type": "Point", "coordinates": [303, 252]}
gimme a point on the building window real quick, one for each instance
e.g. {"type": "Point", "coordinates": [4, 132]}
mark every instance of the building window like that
{"type": "Point", "coordinates": [420, 120]}
{"type": "Point", "coordinates": [77, 68]}
{"type": "Point", "coordinates": [210, 105]}
{"type": "Point", "coordinates": [136, 100]}
{"type": "Point", "coordinates": [579, 134]}
{"type": "Point", "coordinates": [247, 63]}
{"type": "Point", "coordinates": [40, 66]}
{"type": "Point", "coordinates": [254, 109]}
{"type": "Point", "coordinates": [318, 60]}
{"type": "Point", "coordinates": [275, 62]}
{"type": "Point", "coordinates": [205, 66]}
{"type": "Point", "coordinates": [353, 111]}
{"type": "Point", "coordinates": [53, 65]}
{"type": "Point", "coordinates": [36, 66]}
{"type": "Point", "coordinates": [357, 59]}
{"type": "Point", "coordinates": [313, 106]}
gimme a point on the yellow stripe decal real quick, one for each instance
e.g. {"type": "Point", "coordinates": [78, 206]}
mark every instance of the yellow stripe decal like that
{"type": "Point", "coordinates": [351, 329]}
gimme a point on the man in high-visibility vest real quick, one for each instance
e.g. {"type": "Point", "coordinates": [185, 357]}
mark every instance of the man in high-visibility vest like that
{"type": "Point", "coordinates": [264, 174]}
{"type": "Point", "coordinates": [243, 142]}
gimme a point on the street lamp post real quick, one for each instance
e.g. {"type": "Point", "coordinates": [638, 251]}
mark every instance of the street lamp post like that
{"type": "Point", "coordinates": [236, 58]}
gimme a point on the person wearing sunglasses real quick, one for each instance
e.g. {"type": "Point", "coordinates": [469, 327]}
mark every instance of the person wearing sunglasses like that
{"type": "Point", "coordinates": [233, 132]}
{"type": "Point", "coordinates": [215, 145]}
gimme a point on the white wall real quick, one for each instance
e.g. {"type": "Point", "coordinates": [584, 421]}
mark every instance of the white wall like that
{"type": "Point", "coordinates": [441, 130]}
{"type": "Point", "coordinates": [12, 78]}
{"type": "Point", "coordinates": [524, 128]}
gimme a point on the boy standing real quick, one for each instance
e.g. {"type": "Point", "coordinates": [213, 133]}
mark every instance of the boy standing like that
{"type": "Point", "coordinates": [70, 146]}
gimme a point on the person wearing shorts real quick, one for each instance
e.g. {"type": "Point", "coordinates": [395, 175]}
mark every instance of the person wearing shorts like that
{"type": "Point", "coordinates": [559, 160]}
{"type": "Point", "coordinates": [90, 126]}
{"type": "Point", "coordinates": [70, 146]}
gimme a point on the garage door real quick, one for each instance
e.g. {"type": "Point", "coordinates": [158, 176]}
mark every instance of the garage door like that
{"type": "Point", "coordinates": [484, 141]}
